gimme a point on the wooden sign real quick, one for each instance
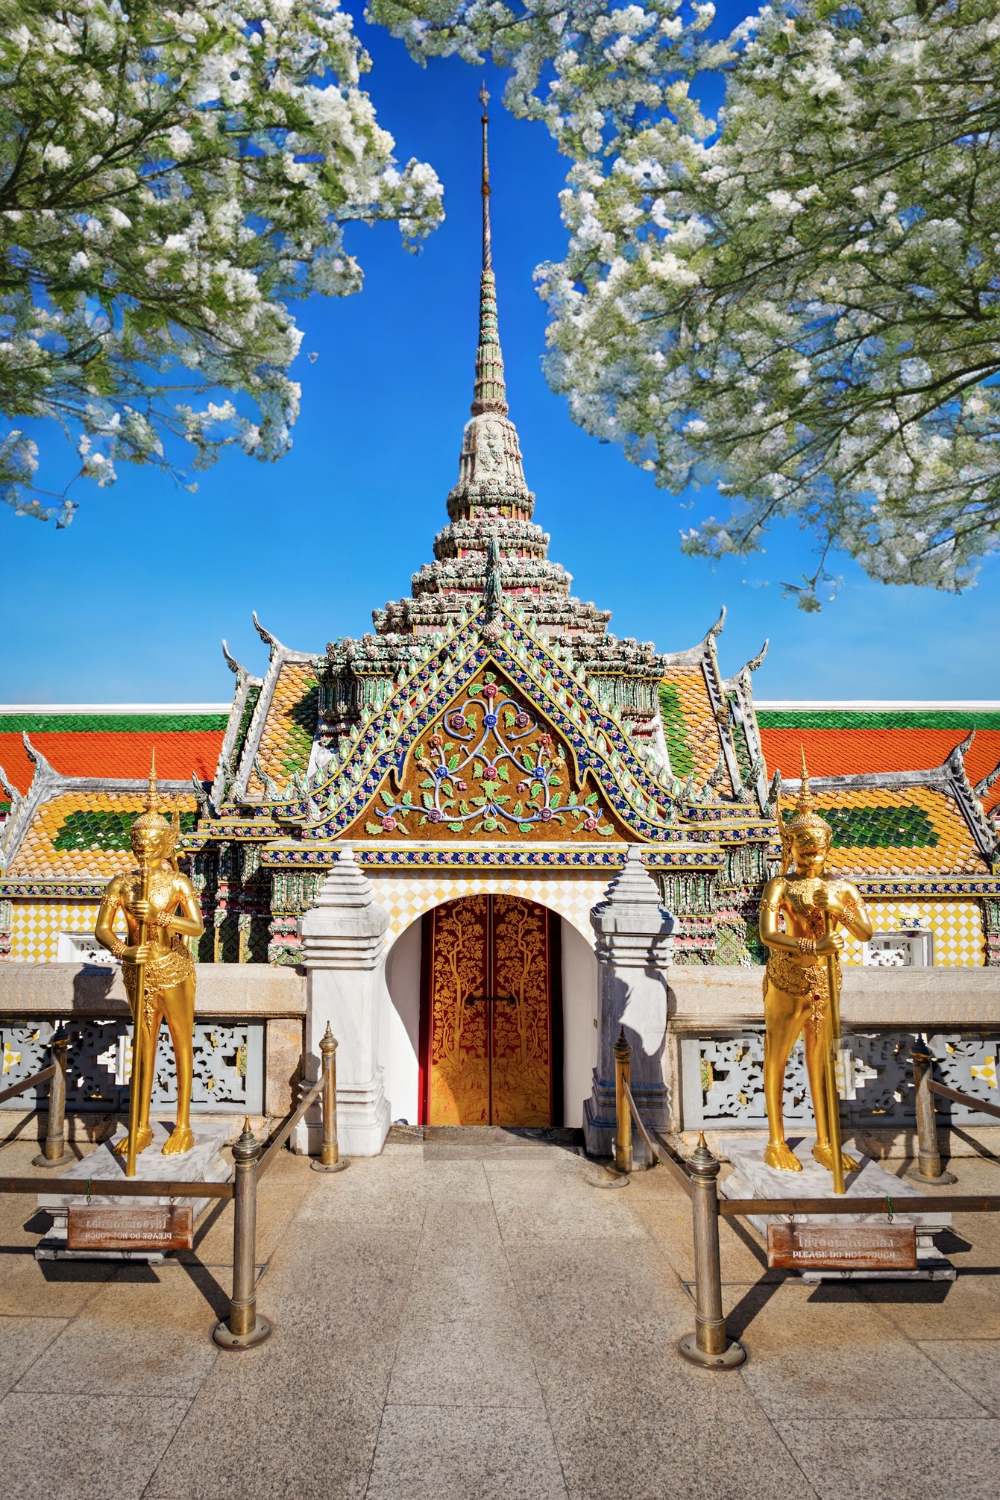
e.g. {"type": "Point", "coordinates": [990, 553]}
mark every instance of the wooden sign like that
{"type": "Point", "coordinates": [842, 1247]}
{"type": "Point", "coordinates": [156, 1226]}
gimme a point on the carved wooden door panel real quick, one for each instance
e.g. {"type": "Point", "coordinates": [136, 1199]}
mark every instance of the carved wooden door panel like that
{"type": "Point", "coordinates": [489, 973]}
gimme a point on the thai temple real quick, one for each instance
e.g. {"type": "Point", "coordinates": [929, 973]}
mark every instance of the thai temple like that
{"type": "Point", "coordinates": [455, 834]}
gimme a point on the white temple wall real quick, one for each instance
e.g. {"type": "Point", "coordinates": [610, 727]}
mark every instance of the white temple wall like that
{"type": "Point", "coordinates": [579, 999]}
{"type": "Point", "coordinates": [399, 1029]}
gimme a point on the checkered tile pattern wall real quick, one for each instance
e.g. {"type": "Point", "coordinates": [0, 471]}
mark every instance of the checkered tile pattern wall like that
{"type": "Point", "coordinates": [407, 897]}
{"type": "Point", "coordinates": [36, 926]}
{"type": "Point", "coordinates": [957, 928]}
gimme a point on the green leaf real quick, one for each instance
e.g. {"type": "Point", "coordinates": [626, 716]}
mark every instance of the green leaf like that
{"type": "Point", "coordinates": [572, 800]}
{"type": "Point", "coordinates": [427, 800]}
{"type": "Point", "coordinates": [479, 801]}
{"type": "Point", "coordinates": [527, 761]}
{"type": "Point", "coordinates": [555, 801]}
{"type": "Point", "coordinates": [388, 799]}
{"type": "Point", "coordinates": [406, 800]}
{"type": "Point", "coordinates": [489, 787]}
{"type": "Point", "coordinates": [517, 809]}
{"type": "Point", "coordinates": [525, 827]}
{"type": "Point", "coordinates": [502, 771]}
{"type": "Point", "coordinates": [590, 799]}
{"type": "Point", "coordinates": [373, 829]}
{"type": "Point", "coordinates": [453, 761]}
{"type": "Point", "coordinates": [429, 782]}
{"type": "Point", "coordinates": [536, 789]}
{"type": "Point", "coordinates": [605, 828]}
{"type": "Point", "coordinates": [489, 824]}
{"type": "Point", "coordinates": [455, 827]}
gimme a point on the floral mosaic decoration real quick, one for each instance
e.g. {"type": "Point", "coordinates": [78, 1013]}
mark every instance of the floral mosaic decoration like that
{"type": "Point", "coordinates": [490, 766]}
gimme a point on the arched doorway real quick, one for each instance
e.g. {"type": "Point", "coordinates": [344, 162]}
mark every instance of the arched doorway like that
{"type": "Point", "coordinates": [491, 1011]}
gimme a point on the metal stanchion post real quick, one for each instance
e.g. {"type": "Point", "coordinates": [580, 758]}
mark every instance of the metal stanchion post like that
{"type": "Point", "coordinates": [710, 1344]}
{"type": "Point", "coordinates": [928, 1168]}
{"type": "Point", "coordinates": [329, 1157]}
{"type": "Point", "coordinates": [623, 1114]}
{"type": "Point", "coordinates": [53, 1152]}
{"type": "Point", "coordinates": [243, 1328]}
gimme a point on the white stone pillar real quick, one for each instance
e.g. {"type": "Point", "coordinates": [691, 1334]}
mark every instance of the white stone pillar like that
{"type": "Point", "coordinates": [633, 957]}
{"type": "Point", "coordinates": [344, 944]}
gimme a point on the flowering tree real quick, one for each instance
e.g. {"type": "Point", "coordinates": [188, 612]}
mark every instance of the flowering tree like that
{"type": "Point", "coordinates": [170, 177]}
{"type": "Point", "coordinates": [803, 303]}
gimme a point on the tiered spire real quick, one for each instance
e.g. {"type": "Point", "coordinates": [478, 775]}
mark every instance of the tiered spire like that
{"type": "Point", "coordinates": [489, 393]}
{"type": "Point", "coordinates": [491, 541]}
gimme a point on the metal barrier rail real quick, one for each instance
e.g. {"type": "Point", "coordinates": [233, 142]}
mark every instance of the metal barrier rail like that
{"type": "Point", "coordinates": [242, 1328]}
{"type": "Point", "coordinates": [53, 1152]}
{"type": "Point", "coordinates": [710, 1345]}
{"type": "Point", "coordinates": [929, 1168]}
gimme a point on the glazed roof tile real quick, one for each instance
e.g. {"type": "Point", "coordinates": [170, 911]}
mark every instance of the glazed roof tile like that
{"type": "Point", "coordinates": [286, 739]}
{"type": "Point", "coordinates": [841, 741]}
{"type": "Point", "coordinates": [896, 831]}
{"type": "Point", "coordinates": [86, 833]}
{"type": "Point", "coordinates": [115, 744]}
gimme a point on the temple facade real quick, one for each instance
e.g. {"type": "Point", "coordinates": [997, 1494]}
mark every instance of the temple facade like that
{"type": "Point", "coordinates": [471, 823]}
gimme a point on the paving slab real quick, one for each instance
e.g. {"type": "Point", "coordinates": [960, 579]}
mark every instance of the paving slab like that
{"type": "Point", "coordinates": [443, 1453]}
{"type": "Point", "coordinates": [308, 1441]}
{"type": "Point", "coordinates": [22, 1342]}
{"type": "Point", "coordinates": [654, 1453]}
{"type": "Point", "coordinates": [974, 1364]}
{"type": "Point", "coordinates": [824, 1351]}
{"type": "Point", "coordinates": [100, 1447]}
{"type": "Point", "coordinates": [146, 1337]}
{"type": "Point", "coordinates": [464, 1363]}
{"type": "Point", "coordinates": [968, 1307]}
{"type": "Point", "coordinates": [896, 1460]}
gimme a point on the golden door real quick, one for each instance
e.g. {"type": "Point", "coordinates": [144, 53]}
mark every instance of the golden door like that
{"type": "Point", "coordinates": [489, 982]}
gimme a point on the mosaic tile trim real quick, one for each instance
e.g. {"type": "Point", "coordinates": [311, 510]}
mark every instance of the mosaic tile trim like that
{"type": "Point", "coordinates": [722, 1078]}
{"type": "Point", "coordinates": [487, 858]}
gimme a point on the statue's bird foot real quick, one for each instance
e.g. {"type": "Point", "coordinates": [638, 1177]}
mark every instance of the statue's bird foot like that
{"type": "Point", "coordinates": [181, 1139]}
{"type": "Point", "coordinates": [824, 1155]}
{"type": "Point", "coordinates": [144, 1138]}
{"type": "Point", "coordinates": [780, 1154]}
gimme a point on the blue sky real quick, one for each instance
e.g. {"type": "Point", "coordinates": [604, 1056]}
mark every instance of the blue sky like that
{"type": "Point", "coordinates": [129, 603]}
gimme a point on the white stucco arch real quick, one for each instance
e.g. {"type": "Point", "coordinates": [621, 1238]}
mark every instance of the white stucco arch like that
{"type": "Point", "coordinates": [408, 898]}
{"type": "Point", "coordinates": [571, 894]}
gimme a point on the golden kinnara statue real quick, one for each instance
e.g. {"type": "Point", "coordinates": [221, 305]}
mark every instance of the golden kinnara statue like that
{"type": "Point", "coordinates": [161, 909]}
{"type": "Point", "coordinates": [799, 914]}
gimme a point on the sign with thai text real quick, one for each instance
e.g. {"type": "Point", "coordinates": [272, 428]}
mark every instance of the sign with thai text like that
{"type": "Point", "coordinates": [842, 1247]}
{"type": "Point", "coordinates": [156, 1226]}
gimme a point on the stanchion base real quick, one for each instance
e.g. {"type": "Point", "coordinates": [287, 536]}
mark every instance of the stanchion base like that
{"type": "Point", "coordinates": [337, 1166]}
{"type": "Point", "coordinates": [730, 1359]}
{"type": "Point", "coordinates": [941, 1181]}
{"type": "Point", "coordinates": [60, 1161]}
{"type": "Point", "coordinates": [235, 1343]}
{"type": "Point", "coordinates": [612, 1178]}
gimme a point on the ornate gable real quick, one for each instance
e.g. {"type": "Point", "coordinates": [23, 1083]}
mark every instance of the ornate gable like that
{"type": "Point", "coordinates": [380, 759]}
{"type": "Point", "coordinates": [490, 765]}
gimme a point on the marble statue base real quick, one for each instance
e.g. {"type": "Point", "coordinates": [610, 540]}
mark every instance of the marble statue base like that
{"type": "Point", "coordinates": [750, 1178]}
{"type": "Point", "coordinates": [104, 1167]}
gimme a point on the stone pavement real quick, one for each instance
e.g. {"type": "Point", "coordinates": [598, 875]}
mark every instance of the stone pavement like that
{"type": "Point", "coordinates": [467, 1321]}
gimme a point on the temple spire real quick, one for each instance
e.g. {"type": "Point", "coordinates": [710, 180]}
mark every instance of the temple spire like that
{"type": "Point", "coordinates": [489, 393]}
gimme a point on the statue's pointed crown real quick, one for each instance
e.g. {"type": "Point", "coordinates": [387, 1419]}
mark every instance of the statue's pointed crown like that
{"type": "Point", "coordinates": [805, 816]}
{"type": "Point", "coordinates": [152, 820]}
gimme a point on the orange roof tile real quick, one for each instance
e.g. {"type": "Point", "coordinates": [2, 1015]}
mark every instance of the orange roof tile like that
{"type": "Point", "coordinates": [120, 753]}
